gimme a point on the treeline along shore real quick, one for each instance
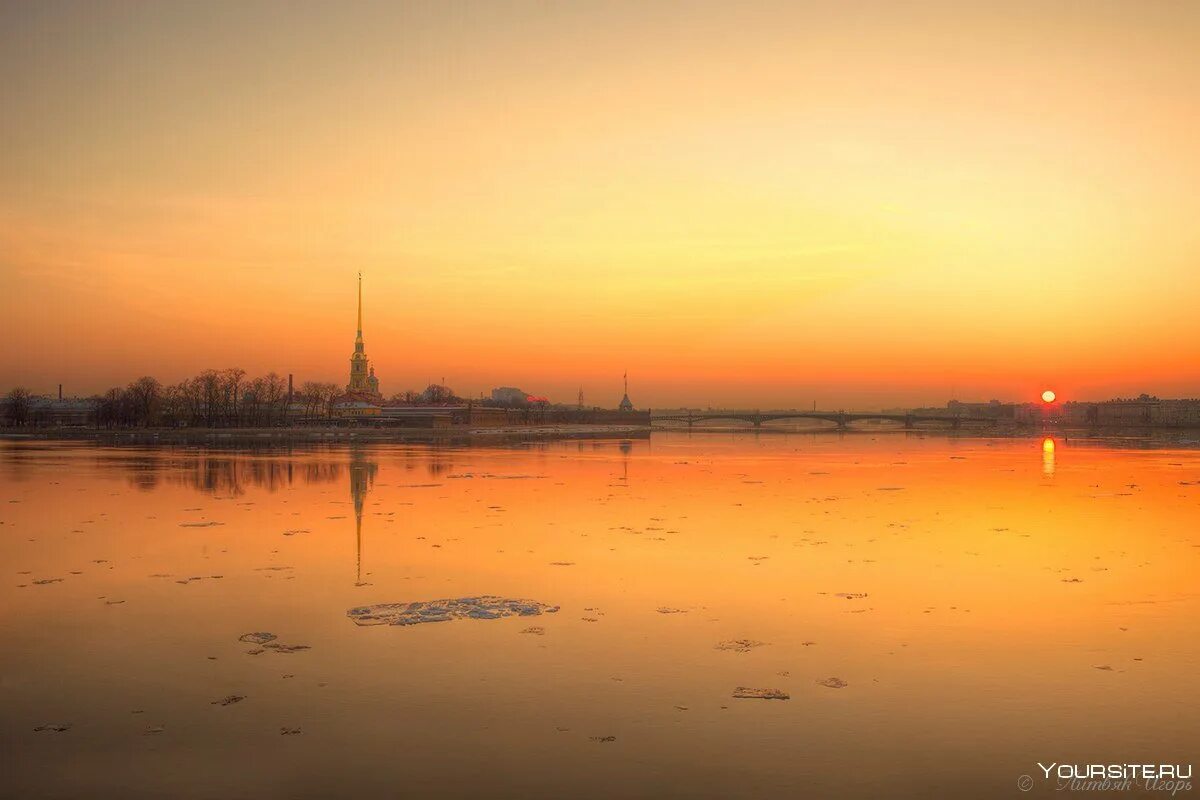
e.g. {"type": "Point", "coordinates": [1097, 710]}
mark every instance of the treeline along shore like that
{"type": "Point", "coordinates": [315, 435]}
{"type": "Point", "coordinates": [228, 399]}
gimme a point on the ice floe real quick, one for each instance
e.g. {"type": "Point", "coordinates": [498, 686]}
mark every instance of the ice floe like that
{"type": "Point", "coordinates": [258, 637]}
{"type": "Point", "coordinates": [483, 607]}
{"type": "Point", "coordinates": [739, 645]}
{"type": "Point", "coordinates": [748, 693]}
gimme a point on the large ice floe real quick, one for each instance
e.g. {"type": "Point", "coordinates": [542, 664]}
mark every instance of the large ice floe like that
{"type": "Point", "coordinates": [750, 693]}
{"type": "Point", "coordinates": [484, 607]}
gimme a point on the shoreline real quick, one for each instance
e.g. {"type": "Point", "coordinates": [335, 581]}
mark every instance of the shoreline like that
{"type": "Point", "coordinates": [307, 435]}
{"type": "Point", "coordinates": [1186, 437]}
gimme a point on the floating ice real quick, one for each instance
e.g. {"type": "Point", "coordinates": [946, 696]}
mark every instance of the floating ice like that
{"type": "Point", "coordinates": [53, 727]}
{"type": "Point", "coordinates": [484, 607]}
{"type": "Point", "coordinates": [739, 645]}
{"type": "Point", "coordinates": [266, 641]}
{"type": "Point", "coordinates": [833, 683]}
{"type": "Point", "coordinates": [258, 637]}
{"type": "Point", "coordinates": [747, 693]}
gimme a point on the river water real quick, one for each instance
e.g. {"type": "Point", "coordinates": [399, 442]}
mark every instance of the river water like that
{"type": "Point", "coordinates": [941, 613]}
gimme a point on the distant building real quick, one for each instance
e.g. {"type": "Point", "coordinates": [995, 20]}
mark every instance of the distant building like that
{"type": "Point", "coordinates": [443, 415]}
{"type": "Point", "coordinates": [362, 375]}
{"type": "Point", "coordinates": [357, 405]}
{"type": "Point", "coordinates": [993, 409]}
{"type": "Point", "coordinates": [69, 411]}
{"type": "Point", "coordinates": [512, 397]}
{"type": "Point", "coordinates": [508, 395]}
{"type": "Point", "coordinates": [1142, 411]}
{"type": "Point", "coordinates": [626, 404]}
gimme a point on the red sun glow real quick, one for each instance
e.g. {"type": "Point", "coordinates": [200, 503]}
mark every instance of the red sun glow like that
{"type": "Point", "coordinates": [1048, 396]}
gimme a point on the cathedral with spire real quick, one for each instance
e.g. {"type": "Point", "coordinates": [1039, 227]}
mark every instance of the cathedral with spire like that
{"type": "Point", "coordinates": [362, 374]}
{"type": "Point", "coordinates": [626, 404]}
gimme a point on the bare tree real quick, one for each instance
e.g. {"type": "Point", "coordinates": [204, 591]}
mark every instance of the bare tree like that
{"type": "Point", "coordinates": [231, 386]}
{"type": "Point", "coordinates": [114, 408]}
{"type": "Point", "coordinates": [210, 389]}
{"type": "Point", "coordinates": [252, 401]}
{"type": "Point", "coordinates": [16, 405]}
{"type": "Point", "coordinates": [310, 394]}
{"type": "Point", "coordinates": [329, 393]}
{"type": "Point", "coordinates": [437, 393]}
{"type": "Point", "coordinates": [173, 408]}
{"type": "Point", "coordinates": [274, 396]}
{"type": "Point", "coordinates": [145, 397]}
{"type": "Point", "coordinates": [191, 398]}
{"type": "Point", "coordinates": [318, 397]}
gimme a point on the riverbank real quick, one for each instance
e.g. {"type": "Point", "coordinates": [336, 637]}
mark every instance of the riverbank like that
{"type": "Point", "coordinates": [250, 437]}
{"type": "Point", "coordinates": [300, 435]}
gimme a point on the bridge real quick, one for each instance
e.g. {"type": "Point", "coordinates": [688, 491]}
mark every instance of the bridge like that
{"type": "Point", "coordinates": [842, 419]}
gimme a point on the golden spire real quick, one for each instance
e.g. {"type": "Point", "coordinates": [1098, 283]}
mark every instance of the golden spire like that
{"type": "Point", "coordinates": [360, 305]}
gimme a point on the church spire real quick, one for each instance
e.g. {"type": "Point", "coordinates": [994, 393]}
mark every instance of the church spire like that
{"type": "Point", "coordinates": [360, 305]}
{"type": "Point", "coordinates": [362, 376]}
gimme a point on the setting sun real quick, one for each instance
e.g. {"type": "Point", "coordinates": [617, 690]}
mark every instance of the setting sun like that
{"type": "Point", "coordinates": [1048, 396]}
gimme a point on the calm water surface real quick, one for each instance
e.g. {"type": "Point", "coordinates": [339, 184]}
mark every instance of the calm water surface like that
{"type": "Point", "coordinates": [983, 605]}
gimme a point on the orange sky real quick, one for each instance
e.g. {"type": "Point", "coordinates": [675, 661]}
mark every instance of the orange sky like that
{"type": "Point", "coordinates": [857, 204]}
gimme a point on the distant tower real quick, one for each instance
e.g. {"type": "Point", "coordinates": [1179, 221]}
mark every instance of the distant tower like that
{"type": "Point", "coordinates": [362, 374]}
{"type": "Point", "coordinates": [581, 398]}
{"type": "Point", "coordinates": [626, 405]}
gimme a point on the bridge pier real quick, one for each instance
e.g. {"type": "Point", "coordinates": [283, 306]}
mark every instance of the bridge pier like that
{"type": "Point", "coordinates": [908, 422]}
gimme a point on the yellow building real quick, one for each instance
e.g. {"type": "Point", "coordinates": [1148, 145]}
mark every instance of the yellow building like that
{"type": "Point", "coordinates": [355, 405]}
